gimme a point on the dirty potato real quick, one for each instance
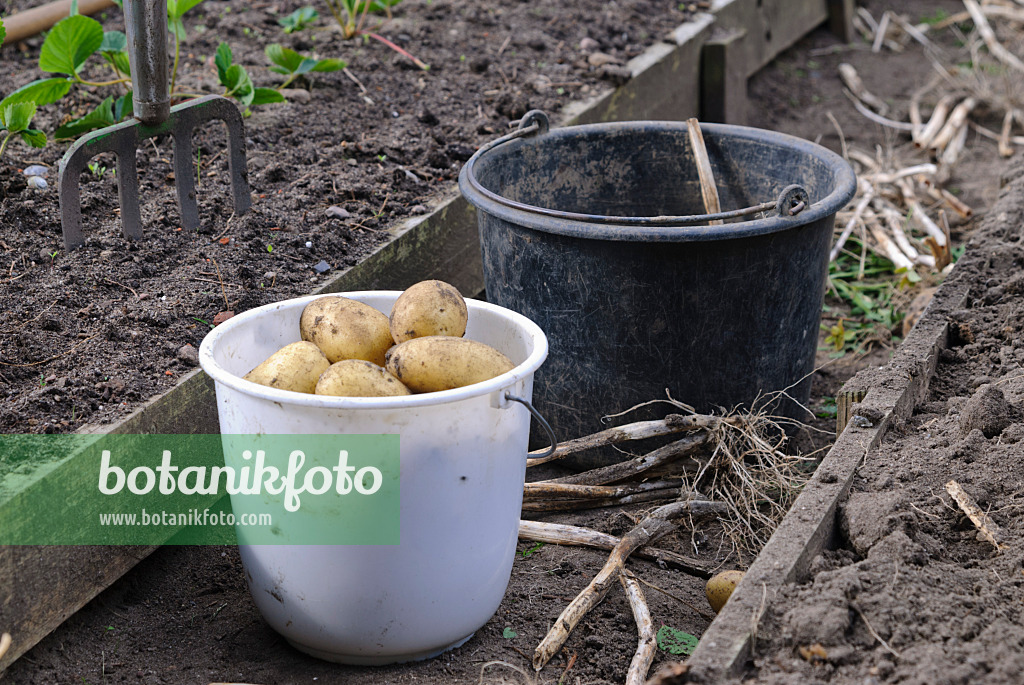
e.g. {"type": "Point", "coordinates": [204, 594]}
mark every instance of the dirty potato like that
{"type": "Point", "coordinates": [719, 588]}
{"type": "Point", "coordinates": [346, 329]}
{"type": "Point", "coordinates": [293, 367]}
{"type": "Point", "coordinates": [428, 308]}
{"type": "Point", "coordinates": [359, 378]}
{"type": "Point", "coordinates": [441, 362]}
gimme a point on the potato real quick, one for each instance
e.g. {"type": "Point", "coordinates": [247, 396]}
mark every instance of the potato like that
{"type": "Point", "coordinates": [293, 367]}
{"type": "Point", "coordinates": [359, 378]}
{"type": "Point", "coordinates": [428, 308]}
{"type": "Point", "coordinates": [720, 588]}
{"type": "Point", "coordinates": [441, 362]}
{"type": "Point", "coordinates": [346, 329]}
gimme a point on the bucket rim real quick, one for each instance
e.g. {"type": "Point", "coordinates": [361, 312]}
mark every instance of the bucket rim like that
{"type": "Point", "coordinates": [843, 190]}
{"type": "Point", "coordinates": [221, 376]}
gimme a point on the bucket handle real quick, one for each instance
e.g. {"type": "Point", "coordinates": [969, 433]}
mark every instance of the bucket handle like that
{"type": "Point", "coordinates": [543, 424]}
{"type": "Point", "coordinates": [791, 201]}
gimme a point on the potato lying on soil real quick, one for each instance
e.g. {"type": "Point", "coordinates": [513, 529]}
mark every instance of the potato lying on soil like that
{"type": "Point", "coordinates": [346, 329]}
{"type": "Point", "coordinates": [441, 362]}
{"type": "Point", "coordinates": [428, 308]}
{"type": "Point", "coordinates": [293, 367]}
{"type": "Point", "coordinates": [359, 378]}
{"type": "Point", "coordinates": [719, 588]}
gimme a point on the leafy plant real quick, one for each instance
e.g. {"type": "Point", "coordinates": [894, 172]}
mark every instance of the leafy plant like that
{"type": "Point", "coordinates": [298, 20]}
{"type": "Point", "coordinates": [867, 294]}
{"type": "Point", "coordinates": [675, 641]}
{"type": "Point", "coordinates": [237, 83]}
{"type": "Point", "coordinates": [293, 64]}
{"type": "Point", "coordinates": [508, 633]}
{"type": "Point", "coordinates": [351, 17]}
{"type": "Point", "coordinates": [15, 119]}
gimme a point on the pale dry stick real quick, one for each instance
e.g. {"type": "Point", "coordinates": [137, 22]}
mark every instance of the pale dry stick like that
{"type": "Point", "coordinates": [935, 121]}
{"type": "Point", "coordinates": [868, 192]}
{"type": "Point", "coordinates": [1005, 147]}
{"type": "Point", "coordinates": [862, 27]}
{"type": "Point", "coordinates": [223, 290]}
{"type": "Point", "coordinates": [647, 641]}
{"type": "Point", "coordinates": [875, 634]}
{"type": "Point", "coordinates": [917, 213]}
{"type": "Point", "coordinates": [550, 491]}
{"type": "Point", "coordinates": [911, 30]}
{"type": "Point", "coordinates": [865, 160]}
{"type": "Point", "coordinates": [951, 153]}
{"type": "Point", "coordinates": [708, 188]}
{"type": "Point", "coordinates": [5, 644]}
{"type": "Point", "coordinates": [895, 220]}
{"type": "Point", "coordinates": [892, 177]}
{"type": "Point", "coordinates": [995, 11]}
{"type": "Point", "coordinates": [916, 121]}
{"type": "Point", "coordinates": [541, 506]}
{"type": "Point", "coordinates": [883, 27]}
{"type": "Point", "coordinates": [655, 525]}
{"type": "Point", "coordinates": [891, 251]}
{"type": "Point", "coordinates": [957, 118]}
{"type": "Point", "coordinates": [943, 195]}
{"type": "Point", "coordinates": [989, 36]}
{"type": "Point", "coordinates": [943, 255]}
{"type": "Point", "coordinates": [126, 287]}
{"type": "Point", "coordinates": [640, 430]}
{"type": "Point", "coordinates": [577, 536]}
{"type": "Point", "coordinates": [849, 76]}
{"type": "Point", "coordinates": [1016, 140]}
{"type": "Point", "coordinates": [878, 118]}
{"type": "Point", "coordinates": [839, 131]}
{"type": "Point", "coordinates": [868, 19]}
{"type": "Point", "coordinates": [985, 525]}
{"type": "Point", "coordinates": [643, 465]}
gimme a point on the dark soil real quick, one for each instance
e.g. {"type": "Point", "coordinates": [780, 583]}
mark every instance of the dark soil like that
{"type": "Point", "coordinates": [184, 614]}
{"type": "Point", "coordinates": [85, 336]}
{"type": "Point", "coordinates": [916, 594]}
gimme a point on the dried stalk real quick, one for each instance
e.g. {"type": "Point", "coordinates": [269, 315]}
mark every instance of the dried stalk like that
{"type": "Point", "coordinates": [5, 644]}
{"type": "Point", "coordinates": [895, 220]}
{"type": "Point", "coordinates": [952, 151]}
{"type": "Point", "coordinates": [657, 524]}
{"type": "Point", "coordinates": [935, 121]}
{"type": "Point", "coordinates": [989, 36]}
{"type": "Point", "coordinates": [1005, 146]}
{"type": "Point", "coordinates": [639, 466]}
{"type": "Point", "coordinates": [647, 642]}
{"type": "Point", "coordinates": [917, 213]}
{"type": "Point", "coordinates": [551, 505]}
{"type": "Point", "coordinates": [957, 119]}
{"type": "Point", "coordinates": [868, 193]}
{"type": "Point", "coordinates": [568, 491]}
{"type": "Point", "coordinates": [708, 188]}
{"type": "Point", "coordinates": [985, 525]}
{"type": "Point", "coordinates": [883, 28]}
{"type": "Point", "coordinates": [852, 80]}
{"type": "Point", "coordinates": [640, 430]}
{"type": "Point", "coordinates": [576, 536]}
{"type": "Point", "coordinates": [903, 173]}
{"type": "Point", "coordinates": [894, 254]}
{"type": "Point", "coordinates": [878, 118]}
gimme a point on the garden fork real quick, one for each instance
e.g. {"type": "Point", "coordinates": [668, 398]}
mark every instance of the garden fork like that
{"type": "Point", "coordinates": [146, 27]}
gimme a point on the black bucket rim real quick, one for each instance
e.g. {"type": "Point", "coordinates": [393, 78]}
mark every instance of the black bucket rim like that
{"type": "Point", "coordinates": [844, 188]}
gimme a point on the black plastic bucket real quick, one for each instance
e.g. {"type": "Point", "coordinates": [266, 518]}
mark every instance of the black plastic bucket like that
{"type": "Point", "coordinates": [589, 231]}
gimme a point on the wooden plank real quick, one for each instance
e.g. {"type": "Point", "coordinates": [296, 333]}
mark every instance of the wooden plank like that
{"type": "Point", "coordinates": [809, 527]}
{"type": "Point", "coordinates": [771, 25]}
{"type": "Point", "coordinates": [723, 92]}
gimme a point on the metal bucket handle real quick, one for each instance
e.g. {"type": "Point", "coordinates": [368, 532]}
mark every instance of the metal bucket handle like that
{"type": "Point", "coordinates": [541, 420]}
{"type": "Point", "coordinates": [791, 201]}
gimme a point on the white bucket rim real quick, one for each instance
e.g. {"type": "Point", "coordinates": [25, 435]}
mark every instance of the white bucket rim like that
{"type": "Point", "coordinates": [220, 375]}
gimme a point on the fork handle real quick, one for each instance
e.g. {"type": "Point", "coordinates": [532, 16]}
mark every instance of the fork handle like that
{"type": "Point", "coordinates": [146, 28]}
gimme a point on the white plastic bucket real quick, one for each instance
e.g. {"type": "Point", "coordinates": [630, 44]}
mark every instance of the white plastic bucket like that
{"type": "Point", "coordinates": [463, 463]}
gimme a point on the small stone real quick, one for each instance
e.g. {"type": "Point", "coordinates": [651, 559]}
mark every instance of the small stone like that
{"type": "Point", "coordinates": [37, 182]}
{"type": "Point", "coordinates": [412, 177]}
{"type": "Point", "coordinates": [599, 59]}
{"type": "Point", "coordinates": [537, 43]}
{"type": "Point", "coordinates": [322, 267]}
{"type": "Point", "coordinates": [46, 253]}
{"type": "Point", "coordinates": [588, 44]}
{"type": "Point", "coordinates": [418, 209]}
{"type": "Point", "coordinates": [222, 317]}
{"type": "Point", "coordinates": [299, 95]}
{"type": "Point", "coordinates": [336, 212]}
{"type": "Point", "coordinates": [188, 354]}
{"type": "Point", "coordinates": [309, 243]}
{"type": "Point", "coordinates": [105, 254]}
{"type": "Point", "coordinates": [479, 65]}
{"type": "Point", "coordinates": [540, 84]}
{"type": "Point", "coordinates": [618, 75]}
{"type": "Point", "coordinates": [35, 170]}
{"type": "Point", "coordinates": [270, 275]}
{"type": "Point", "coordinates": [351, 161]}
{"type": "Point", "coordinates": [428, 118]}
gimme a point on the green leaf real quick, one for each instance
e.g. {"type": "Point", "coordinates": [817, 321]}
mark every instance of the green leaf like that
{"type": "Point", "coordinates": [299, 19]}
{"type": "Point", "coordinates": [42, 92]}
{"type": "Point", "coordinates": [114, 41]}
{"type": "Point", "coordinates": [177, 27]}
{"type": "Point", "coordinates": [3, 31]}
{"type": "Point", "coordinates": [69, 44]}
{"type": "Point", "coordinates": [508, 633]}
{"type": "Point", "coordinates": [675, 641]}
{"type": "Point", "coordinates": [100, 117]}
{"type": "Point", "coordinates": [279, 70]}
{"type": "Point", "coordinates": [265, 96]}
{"type": "Point", "coordinates": [119, 61]}
{"type": "Point", "coordinates": [123, 107]}
{"type": "Point", "coordinates": [285, 58]}
{"type": "Point", "coordinates": [239, 84]}
{"type": "Point", "coordinates": [223, 60]}
{"type": "Point", "coordinates": [33, 137]}
{"type": "Point", "coordinates": [18, 116]}
{"type": "Point", "coordinates": [330, 64]}
{"type": "Point", "coordinates": [176, 9]}
{"type": "Point", "coordinates": [74, 8]}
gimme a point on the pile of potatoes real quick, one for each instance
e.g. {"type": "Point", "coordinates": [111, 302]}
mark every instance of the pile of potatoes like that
{"type": "Point", "coordinates": [349, 349]}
